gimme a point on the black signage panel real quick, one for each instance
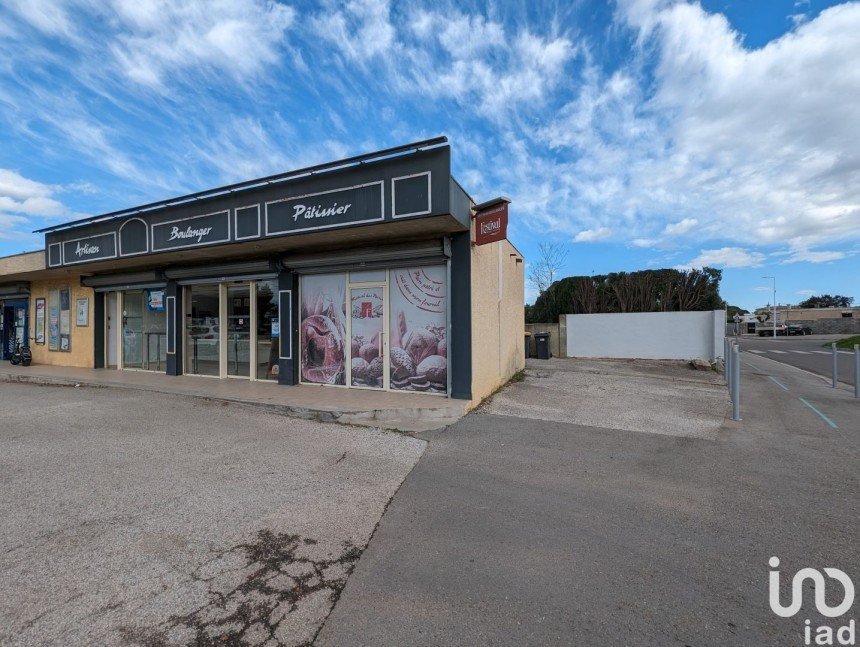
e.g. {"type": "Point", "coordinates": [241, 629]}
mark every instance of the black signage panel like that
{"type": "Point", "coordinates": [337, 208]}
{"type": "Point", "coordinates": [208, 229]}
{"type": "Point", "coordinates": [55, 258]}
{"type": "Point", "coordinates": [133, 237]}
{"type": "Point", "coordinates": [91, 248]}
{"type": "Point", "coordinates": [410, 195]}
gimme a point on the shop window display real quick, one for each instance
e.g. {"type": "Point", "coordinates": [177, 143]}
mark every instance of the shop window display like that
{"type": "Point", "coordinates": [419, 343]}
{"type": "Point", "coordinates": [322, 330]}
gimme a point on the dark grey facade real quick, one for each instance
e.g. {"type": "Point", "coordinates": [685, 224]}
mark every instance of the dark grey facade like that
{"type": "Point", "coordinates": [384, 210]}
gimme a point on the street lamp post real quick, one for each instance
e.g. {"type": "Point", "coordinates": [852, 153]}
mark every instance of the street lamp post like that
{"type": "Point", "coordinates": [774, 303]}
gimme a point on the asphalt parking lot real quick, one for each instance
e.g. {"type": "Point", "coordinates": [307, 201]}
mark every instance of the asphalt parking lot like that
{"type": "Point", "coordinates": [130, 518]}
{"type": "Point", "coordinates": [532, 527]}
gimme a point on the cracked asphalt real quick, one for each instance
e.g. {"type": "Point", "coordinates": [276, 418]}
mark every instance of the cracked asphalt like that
{"type": "Point", "coordinates": [150, 519]}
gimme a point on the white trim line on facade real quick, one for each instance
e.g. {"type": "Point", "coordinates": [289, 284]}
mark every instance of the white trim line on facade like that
{"type": "Point", "coordinates": [119, 238]}
{"type": "Point", "coordinates": [89, 260]}
{"type": "Point", "coordinates": [171, 326]}
{"type": "Point", "coordinates": [289, 328]}
{"type": "Point", "coordinates": [381, 184]}
{"type": "Point", "coordinates": [236, 211]}
{"type": "Point", "coordinates": [429, 195]}
{"type": "Point", "coordinates": [181, 247]}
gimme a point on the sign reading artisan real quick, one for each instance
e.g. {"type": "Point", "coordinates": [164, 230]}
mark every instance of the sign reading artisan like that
{"type": "Point", "coordinates": [491, 224]}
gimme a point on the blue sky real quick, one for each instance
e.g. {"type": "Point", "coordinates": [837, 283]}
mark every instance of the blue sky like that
{"type": "Point", "coordinates": [640, 134]}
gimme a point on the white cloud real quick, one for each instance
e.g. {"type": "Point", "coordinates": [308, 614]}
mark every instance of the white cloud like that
{"type": "Point", "coordinates": [809, 256]}
{"type": "Point", "coordinates": [760, 143]}
{"type": "Point", "coordinates": [727, 257]}
{"type": "Point", "coordinates": [153, 41]}
{"type": "Point", "coordinates": [644, 242]}
{"type": "Point", "coordinates": [807, 293]}
{"type": "Point", "coordinates": [449, 55]}
{"type": "Point", "coordinates": [592, 235]}
{"type": "Point", "coordinates": [680, 228]}
{"type": "Point", "coordinates": [24, 204]}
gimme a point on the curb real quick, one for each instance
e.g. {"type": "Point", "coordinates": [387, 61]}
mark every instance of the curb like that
{"type": "Point", "coordinates": [404, 418]}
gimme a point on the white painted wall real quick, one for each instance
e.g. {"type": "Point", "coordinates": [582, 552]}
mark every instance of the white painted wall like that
{"type": "Point", "coordinates": [647, 335]}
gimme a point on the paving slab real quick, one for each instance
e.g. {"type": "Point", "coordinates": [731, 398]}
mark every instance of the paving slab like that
{"type": "Point", "coordinates": [392, 410]}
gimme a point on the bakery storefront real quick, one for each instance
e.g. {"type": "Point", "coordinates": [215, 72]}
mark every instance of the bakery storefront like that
{"type": "Point", "coordinates": [360, 273]}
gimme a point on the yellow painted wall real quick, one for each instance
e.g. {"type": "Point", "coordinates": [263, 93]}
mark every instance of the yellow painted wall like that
{"type": "Point", "coordinates": [498, 317]}
{"type": "Point", "coordinates": [82, 338]}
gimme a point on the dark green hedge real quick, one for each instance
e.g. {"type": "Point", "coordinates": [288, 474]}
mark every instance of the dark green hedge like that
{"type": "Point", "coordinates": [644, 291]}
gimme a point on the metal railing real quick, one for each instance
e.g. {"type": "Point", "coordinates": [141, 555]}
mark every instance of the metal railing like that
{"type": "Point", "coordinates": [834, 380]}
{"type": "Point", "coordinates": [732, 366]}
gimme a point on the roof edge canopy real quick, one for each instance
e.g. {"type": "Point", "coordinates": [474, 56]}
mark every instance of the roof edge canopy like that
{"type": "Point", "coordinates": [408, 182]}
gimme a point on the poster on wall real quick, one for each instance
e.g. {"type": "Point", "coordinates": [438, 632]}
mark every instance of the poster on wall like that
{"type": "Point", "coordinates": [54, 322]}
{"type": "Point", "coordinates": [40, 321]}
{"type": "Point", "coordinates": [322, 331]}
{"type": "Point", "coordinates": [419, 341]}
{"type": "Point", "coordinates": [155, 300]}
{"type": "Point", "coordinates": [82, 312]}
{"type": "Point", "coordinates": [65, 320]}
{"type": "Point", "coordinates": [367, 324]}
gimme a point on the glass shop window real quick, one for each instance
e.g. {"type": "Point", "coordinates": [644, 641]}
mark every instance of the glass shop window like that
{"type": "Point", "coordinates": [60, 320]}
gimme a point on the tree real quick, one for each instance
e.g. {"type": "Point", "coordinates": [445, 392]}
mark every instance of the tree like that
{"type": "Point", "coordinates": [666, 290]}
{"type": "Point", "coordinates": [731, 311]}
{"type": "Point", "coordinates": [827, 301]}
{"type": "Point", "coordinates": [543, 272]}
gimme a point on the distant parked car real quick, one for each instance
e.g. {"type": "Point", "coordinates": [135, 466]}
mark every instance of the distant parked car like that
{"type": "Point", "coordinates": [766, 329]}
{"type": "Point", "coordinates": [797, 329]}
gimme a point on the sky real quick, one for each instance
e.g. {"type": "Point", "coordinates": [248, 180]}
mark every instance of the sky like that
{"type": "Point", "coordinates": [638, 134]}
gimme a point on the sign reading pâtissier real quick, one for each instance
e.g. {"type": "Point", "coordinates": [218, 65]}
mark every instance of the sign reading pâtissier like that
{"type": "Point", "coordinates": [350, 206]}
{"type": "Point", "coordinates": [491, 224]}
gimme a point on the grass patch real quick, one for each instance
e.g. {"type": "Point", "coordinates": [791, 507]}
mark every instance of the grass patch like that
{"type": "Point", "coordinates": [847, 343]}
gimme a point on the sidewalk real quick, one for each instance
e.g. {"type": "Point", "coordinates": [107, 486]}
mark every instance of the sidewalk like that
{"type": "Point", "coordinates": [404, 411]}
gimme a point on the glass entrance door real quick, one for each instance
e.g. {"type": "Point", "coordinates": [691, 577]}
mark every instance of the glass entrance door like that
{"type": "Point", "coordinates": [202, 330]}
{"type": "Point", "coordinates": [367, 316]}
{"type": "Point", "coordinates": [239, 330]}
{"type": "Point", "coordinates": [268, 330]}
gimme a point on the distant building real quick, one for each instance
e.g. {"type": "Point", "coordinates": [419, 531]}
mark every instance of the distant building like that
{"type": "Point", "coordinates": [820, 320]}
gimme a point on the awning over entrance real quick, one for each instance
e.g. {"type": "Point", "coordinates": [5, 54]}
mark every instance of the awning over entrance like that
{"type": "Point", "coordinates": [15, 291]}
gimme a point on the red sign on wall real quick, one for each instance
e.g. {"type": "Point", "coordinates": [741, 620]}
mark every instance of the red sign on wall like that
{"type": "Point", "coordinates": [491, 224]}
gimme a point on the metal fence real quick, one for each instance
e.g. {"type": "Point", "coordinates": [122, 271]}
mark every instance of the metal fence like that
{"type": "Point", "coordinates": [834, 382]}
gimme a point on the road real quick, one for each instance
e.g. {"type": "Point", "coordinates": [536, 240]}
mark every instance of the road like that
{"type": "Point", "coordinates": [513, 530]}
{"type": "Point", "coordinates": [807, 353]}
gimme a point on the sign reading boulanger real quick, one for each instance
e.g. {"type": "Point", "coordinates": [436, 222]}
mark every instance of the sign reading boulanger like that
{"type": "Point", "coordinates": [491, 224]}
{"type": "Point", "coordinates": [208, 229]}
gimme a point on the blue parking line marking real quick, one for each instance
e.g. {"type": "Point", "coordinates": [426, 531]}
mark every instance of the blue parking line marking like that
{"type": "Point", "coordinates": [821, 415]}
{"type": "Point", "coordinates": [777, 382]}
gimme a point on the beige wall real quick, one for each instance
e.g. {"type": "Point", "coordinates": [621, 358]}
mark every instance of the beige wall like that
{"type": "Point", "coordinates": [82, 352]}
{"type": "Point", "coordinates": [498, 317]}
{"type": "Point", "coordinates": [554, 338]}
{"type": "Point", "coordinates": [20, 263]}
{"type": "Point", "coordinates": [793, 314]}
